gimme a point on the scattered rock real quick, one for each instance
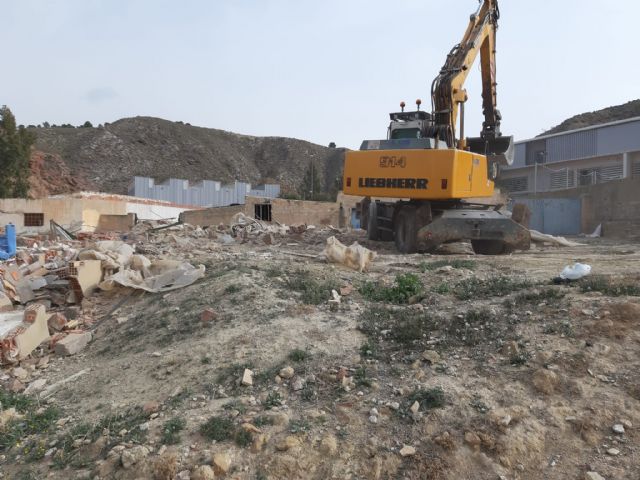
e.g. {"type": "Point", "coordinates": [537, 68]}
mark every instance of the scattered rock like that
{"type": "Point", "coordinates": [151, 407]}
{"type": "Point", "coordinates": [247, 377]}
{"type": "Point", "coordinates": [297, 384]}
{"type": "Point", "coordinates": [626, 423]}
{"type": "Point", "coordinates": [130, 457]}
{"type": "Point", "coordinates": [20, 373]}
{"type": "Point", "coordinates": [472, 439]}
{"type": "Point", "coordinates": [203, 472]}
{"type": "Point", "coordinates": [407, 451]}
{"type": "Point", "coordinates": [15, 386]}
{"type": "Point", "coordinates": [618, 428]}
{"type": "Point", "coordinates": [613, 452]}
{"type": "Point", "coordinates": [415, 408]}
{"type": "Point", "coordinates": [593, 476]}
{"type": "Point", "coordinates": [72, 343]}
{"type": "Point", "coordinates": [373, 419]}
{"type": "Point", "coordinates": [545, 381]}
{"type": "Point", "coordinates": [287, 373]}
{"type": "Point", "coordinates": [208, 315]}
{"type": "Point", "coordinates": [35, 386]}
{"type": "Point", "coordinates": [431, 356]}
{"type": "Point", "coordinates": [221, 463]}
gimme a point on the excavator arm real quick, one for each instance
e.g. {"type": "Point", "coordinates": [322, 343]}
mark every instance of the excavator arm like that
{"type": "Point", "coordinates": [448, 94]}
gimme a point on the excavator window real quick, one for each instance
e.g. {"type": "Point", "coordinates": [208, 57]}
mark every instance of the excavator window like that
{"type": "Point", "coordinates": [405, 133]}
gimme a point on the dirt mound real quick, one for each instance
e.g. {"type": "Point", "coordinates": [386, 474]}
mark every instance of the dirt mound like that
{"type": "Point", "coordinates": [606, 115]}
{"type": "Point", "coordinates": [50, 175]}
{"type": "Point", "coordinates": [106, 158]}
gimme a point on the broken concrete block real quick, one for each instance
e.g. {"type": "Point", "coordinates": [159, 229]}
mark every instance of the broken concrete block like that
{"type": "Point", "coordinates": [21, 338]}
{"type": "Point", "coordinates": [84, 278]}
{"type": "Point", "coordinates": [57, 322]}
{"type": "Point", "coordinates": [247, 377]}
{"type": "Point", "coordinates": [6, 305]}
{"type": "Point", "coordinates": [73, 343]}
{"type": "Point", "coordinates": [355, 257]}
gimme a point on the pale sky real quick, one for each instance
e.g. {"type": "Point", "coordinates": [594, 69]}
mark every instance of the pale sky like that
{"type": "Point", "coordinates": [322, 71]}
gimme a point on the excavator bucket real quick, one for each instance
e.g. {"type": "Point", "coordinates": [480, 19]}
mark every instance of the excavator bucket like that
{"type": "Point", "coordinates": [499, 150]}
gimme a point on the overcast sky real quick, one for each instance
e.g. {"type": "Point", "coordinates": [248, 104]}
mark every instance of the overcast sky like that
{"type": "Point", "coordinates": [322, 71]}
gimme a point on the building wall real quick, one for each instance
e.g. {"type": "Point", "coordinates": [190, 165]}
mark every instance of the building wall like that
{"type": "Point", "coordinates": [207, 193]}
{"type": "Point", "coordinates": [292, 212]}
{"type": "Point", "coordinates": [598, 141]}
{"type": "Point", "coordinates": [212, 216]}
{"type": "Point", "coordinates": [563, 175]}
{"type": "Point", "coordinates": [615, 205]}
{"type": "Point", "coordinates": [81, 212]}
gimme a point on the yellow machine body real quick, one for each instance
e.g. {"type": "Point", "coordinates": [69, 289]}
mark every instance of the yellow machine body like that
{"type": "Point", "coordinates": [426, 174]}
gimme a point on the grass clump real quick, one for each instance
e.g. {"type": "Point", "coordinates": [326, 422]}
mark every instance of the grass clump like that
{"type": "Point", "coordinates": [218, 429]}
{"type": "Point", "coordinates": [429, 399]}
{"type": "Point", "coordinates": [405, 286]}
{"type": "Point", "coordinates": [35, 421]}
{"type": "Point", "coordinates": [609, 286]}
{"type": "Point", "coordinates": [476, 327]}
{"type": "Point", "coordinates": [274, 399]}
{"type": "Point", "coordinates": [171, 430]}
{"type": "Point", "coordinates": [403, 326]}
{"type": "Point", "coordinates": [243, 438]}
{"type": "Point", "coordinates": [231, 289]}
{"type": "Point", "coordinates": [455, 263]}
{"type": "Point", "coordinates": [313, 292]}
{"type": "Point", "coordinates": [298, 355]}
{"type": "Point", "coordinates": [474, 288]}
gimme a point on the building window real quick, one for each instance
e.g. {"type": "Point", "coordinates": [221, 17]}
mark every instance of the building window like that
{"type": "Point", "coordinates": [33, 219]}
{"type": "Point", "coordinates": [515, 184]}
{"type": "Point", "coordinates": [263, 212]}
{"type": "Point", "coordinates": [635, 168]}
{"type": "Point", "coordinates": [562, 179]}
{"type": "Point", "coordinates": [593, 176]}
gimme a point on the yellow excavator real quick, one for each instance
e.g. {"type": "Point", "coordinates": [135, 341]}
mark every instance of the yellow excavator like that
{"type": "Point", "coordinates": [432, 172]}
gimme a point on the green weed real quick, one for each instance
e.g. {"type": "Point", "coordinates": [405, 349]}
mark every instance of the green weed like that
{"type": "Point", "coordinates": [171, 430]}
{"type": "Point", "coordinates": [405, 286]}
{"type": "Point", "coordinates": [218, 429]}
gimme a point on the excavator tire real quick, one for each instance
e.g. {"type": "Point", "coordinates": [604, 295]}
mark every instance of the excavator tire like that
{"type": "Point", "coordinates": [405, 230]}
{"type": "Point", "coordinates": [372, 222]}
{"type": "Point", "coordinates": [489, 247]}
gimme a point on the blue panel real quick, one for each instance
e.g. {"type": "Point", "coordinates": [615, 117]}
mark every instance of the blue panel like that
{"type": "Point", "coordinates": [619, 138]}
{"type": "Point", "coordinates": [555, 216]}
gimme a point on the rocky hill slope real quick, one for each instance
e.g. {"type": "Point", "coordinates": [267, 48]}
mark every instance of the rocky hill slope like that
{"type": "Point", "coordinates": [610, 114]}
{"type": "Point", "coordinates": [106, 158]}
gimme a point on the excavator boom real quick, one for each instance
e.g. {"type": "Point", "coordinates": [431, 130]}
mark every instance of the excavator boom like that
{"type": "Point", "coordinates": [448, 94]}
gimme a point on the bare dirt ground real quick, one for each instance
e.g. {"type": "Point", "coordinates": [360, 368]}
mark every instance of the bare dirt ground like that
{"type": "Point", "coordinates": [448, 366]}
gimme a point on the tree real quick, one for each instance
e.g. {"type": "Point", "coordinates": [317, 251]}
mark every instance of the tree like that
{"type": "Point", "coordinates": [87, 124]}
{"type": "Point", "coordinates": [332, 145]}
{"type": "Point", "coordinates": [15, 153]}
{"type": "Point", "coordinates": [46, 124]}
{"type": "Point", "coordinates": [311, 186]}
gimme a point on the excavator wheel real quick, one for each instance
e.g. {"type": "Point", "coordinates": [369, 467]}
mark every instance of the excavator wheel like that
{"type": "Point", "coordinates": [490, 247]}
{"type": "Point", "coordinates": [405, 230]}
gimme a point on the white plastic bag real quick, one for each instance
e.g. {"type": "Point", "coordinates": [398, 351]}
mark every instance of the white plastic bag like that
{"type": "Point", "coordinates": [575, 271]}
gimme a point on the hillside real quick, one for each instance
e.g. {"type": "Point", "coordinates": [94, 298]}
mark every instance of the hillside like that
{"type": "Point", "coordinates": [606, 115]}
{"type": "Point", "coordinates": [106, 158]}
